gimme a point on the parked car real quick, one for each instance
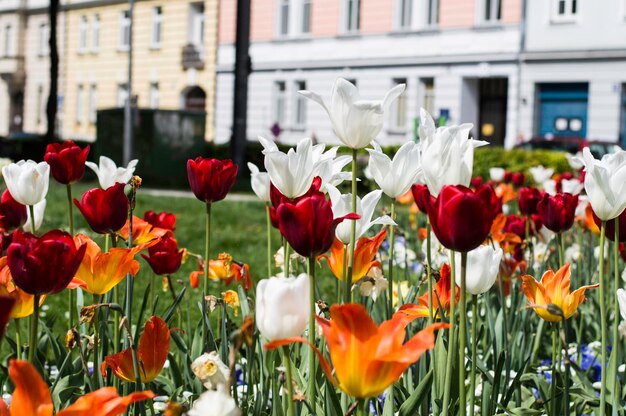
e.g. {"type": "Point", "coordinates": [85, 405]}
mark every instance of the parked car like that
{"type": "Point", "coordinates": [571, 145]}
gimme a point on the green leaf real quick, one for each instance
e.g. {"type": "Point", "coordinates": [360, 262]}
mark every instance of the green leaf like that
{"type": "Point", "coordinates": [412, 404]}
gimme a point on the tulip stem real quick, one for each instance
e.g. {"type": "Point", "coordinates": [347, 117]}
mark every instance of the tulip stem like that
{"type": "Point", "coordinates": [32, 344]}
{"type": "Point", "coordinates": [616, 312]}
{"type": "Point", "coordinates": [462, 336]}
{"type": "Point", "coordinates": [392, 232]}
{"type": "Point", "coordinates": [473, 364]}
{"type": "Point", "coordinates": [96, 343]}
{"type": "Point", "coordinates": [289, 381]}
{"type": "Point", "coordinates": [268, 224]}
{"type": "Point", "coordinates": [346, 282]}
{"type": "Point", "coordinates": [430, 314]}
{"type": "Point", "coordinates": [311, 389]}
{"type": "Point", "coordinates": [559, 242]}
{"type": "Point", "coordinates": [602, 321]}
{"type": "Point", "coordinates": [555, 410]}
{"type": "Point", "coordinates": [286, 261]}
{"type": "Point", "coordinates": [205, 281]}
{"type": "Point", "coordinates": [451, 339]}
{"type": "Point", "coordinates": [18, 339]}
{"type": "Point", "coordinates": [567, 362]}
{"type": "Point", "coordinates": [362, 407]}
{"type": "Point", "coordinates": [352, 229]}
{"type": "Point", "coordinates": [70, 216]}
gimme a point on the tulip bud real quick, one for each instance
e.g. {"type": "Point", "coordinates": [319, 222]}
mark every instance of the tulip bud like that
{"type": "Point", "coordinates": [104, 209]}
{"type": "Point", "coordinates": [557, 211]}
{"type": "Point", "coordinates": [211, 179]}
{"type": "Point", "coordinates": [27, 181]}
{"type": "Point", "coordinates": [67, 161]}
{"type": "Point", "coordinates": [481, 271]}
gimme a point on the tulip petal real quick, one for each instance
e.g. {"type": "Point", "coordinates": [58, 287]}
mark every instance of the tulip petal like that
{"type": "Point", "coordinates": [31, 395]}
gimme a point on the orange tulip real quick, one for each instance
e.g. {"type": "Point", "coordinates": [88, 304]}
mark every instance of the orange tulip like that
{"type": "Point", "coordinates": [154, 344]}
{"type": "Point", "coordinates": [32, 398]}
{"type": "Point", "coordinates": [440, 295]}
{"type": "Point", "coordinates": [367, 358]}
{"type": "Point", "coordinates": [589, 222]}
{"type": "Point", "coordinates": [364, 256]}
{"type": "Point", "coordinates": [506, 193]}
{"type": "Point", "coordinates": [23, 305]}
{"type": "Point", "coordinates": [508, 267]}
{"type": "Point", "coordinates": [508, 241]}
{"type": "Point", "coordinates": [100, 272]}
{"type": "Point", "coordinates": [224, 268]}
{"type": "Point", "coordinates": [144, 233]}
{"type": "Point", "coordinates": [553, 292]}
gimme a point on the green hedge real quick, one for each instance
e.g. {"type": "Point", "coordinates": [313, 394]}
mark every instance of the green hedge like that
{"type": "Point", "coordinates": [517, 160]}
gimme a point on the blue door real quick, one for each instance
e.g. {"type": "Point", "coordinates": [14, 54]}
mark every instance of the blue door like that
{"type": "Point", "coordinates": [563, 109]}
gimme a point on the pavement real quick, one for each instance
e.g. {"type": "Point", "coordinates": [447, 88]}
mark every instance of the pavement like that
{"type": "Point", "coordinates": [235, 197]}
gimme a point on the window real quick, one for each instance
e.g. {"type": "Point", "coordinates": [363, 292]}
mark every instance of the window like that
{"type": "Point", "coordinates": [44, 37]}
{"type": "Point", "coordinates": [492, 11]}
{"type": "Point", "coordinates": [124, 37]}
{"type": "Point", "coordinates": [283, 12]}
{"type": "Point", "coordinates": [80, 104]}
{"type": "Point", "coordinates": [432, 17]}
{"type": "Point", "coordinates": [427, 91]}
{"type": "Point", "coordinates": [299, 115]}
{"type": "Point", "coordinates": [405, 11]}
{"type": "Point", "coordinates": [122, 95]}
{"type": "Point", "coordinates": [306, 16]}
{"type": "Point", "coordinates": [154, 95]}
{"type": "Point", "coordinates": [279, 102]}
{"type": "Point", "coordinates": [93, 104]}
{"type": "Point", "coordinates": [196, 24]}
{"type": "Point", "coordinates": [41, 108]}
{"type": "Point", "coordinates": [565, 10]}
{"type": "Point", "coordinates": [82, 34]}
{"type": "Point", "coordinates": [95, 33]}
{"type": "Point", "coordinates": [398, 109]}
{"type": "Point", "coordinates": [8, 41]}
{"type": "Point", "coordinates": [352, 15]}
{"type": "Point", "coordinates": [157, 23]}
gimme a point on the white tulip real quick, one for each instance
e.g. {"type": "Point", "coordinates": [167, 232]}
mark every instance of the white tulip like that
{"type": "Point", "coordinates": [483, 264]}
{"type": "Point", "coordinates": [447, 154]}
{"type": "Point", "coordinates": [282, 307]}
{"type": "Point", "coordinates": [549, 186]}
{"type": "Point", "coordinates": [497, 174]}
{"type": "Point", "coordinates": [260, 182]}
{"type": "Point", "coordinates": [621, 298]}
{"type": "Point", "coordinates": [342, 205]}
{"type": "Point", "coordinates": [571, 186]}
{"type": "Point", "coordinates": [215, 403]}
{"type": "Point", "coordinates": [541, 174]}
{"type": "Point", "coordinates": [109, 174]}
{"type": "Point", "coordinates": [575, 161]}
{"type": "Point", "coordinates": [356, 122]}
{"type": "Point", "coordinates": [330, 170]}
{"type": "Point", "coordinates": [210, 370]}
{"type": "Point", "coordinates": [605, 183]}
{"type": "Point", "coordinates": [39, 210]}
{"type": "Point", "coordinates": [396, 176]}
{"type": "Point", "coordinates": [27, 181]}
{"type": "Point", "coordinates": [291, 172]}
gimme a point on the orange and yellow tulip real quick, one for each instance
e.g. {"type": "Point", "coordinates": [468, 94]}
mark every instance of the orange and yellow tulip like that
{"type": "Point", "coordinates": [23, 305]}
{"type": "Point", "coordinates": [553, 292]}
{"type": "Point", "coordinates": [32, 398]}
{"type": "Point", "coordinates": [224, 268]}
{"type": "Point", "coordinates": [367, 358]}
{"type": "Point", "coordinates": [154, 344]}
{"type": "Point", "coordinates": [364, 256]}
{"type": "Point", "coordinates": [100, 272]}
{"type": "Point", "coordinates": [144, 233]}
{"type": "Point", "coordinates": [440, 295]}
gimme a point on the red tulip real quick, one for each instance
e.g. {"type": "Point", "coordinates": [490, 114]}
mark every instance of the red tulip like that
{"type": "Point", "coordinates": [163, 220]}
{"type": "Point", "coordinates": [211, 179]}
{"type": "Point", "coordinates": [164, 257]}
{"type": "Point", "coordinates": [104, 209]}
{"type": "Point", "coordinates": [477, 181]}
{"type": "Point", "coordinates": [308, 225]}
{"type": "Point", "coordinates": [610, 226]}
{"type": "Point", "coordinates": [461, 218]}
{"type": "Point", "coordinates": [622, 251]}
{"type": "Point", "coordinates": [528, 200]}
{"type": "Point", "coordinates": [12, 213]}
{"type": "Point", "coordinates": [557, 211]}
{"type": "Point", "coordinates": [46, 264]}
{"type": "Point", "coordinates": [67, 161]}
{"type": "Point", "coordinates": [6, 305]}
{"type": "Point", "coordinates": [276, 197]}
{"type": "Point", "coordinates": [423, 198]}
{"type": "Point", "coordinates": [518, 179]}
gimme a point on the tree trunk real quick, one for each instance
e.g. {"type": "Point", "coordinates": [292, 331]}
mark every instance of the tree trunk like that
{"type": "Point", "coordinates": [52, 105]}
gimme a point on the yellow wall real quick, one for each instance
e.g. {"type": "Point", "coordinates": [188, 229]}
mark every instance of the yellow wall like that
{"type": "Point", "coordinates": [107, 68]}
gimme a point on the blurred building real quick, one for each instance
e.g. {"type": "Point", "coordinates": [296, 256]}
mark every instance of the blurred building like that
{"type": "Point", "coordinates": [514, 68]}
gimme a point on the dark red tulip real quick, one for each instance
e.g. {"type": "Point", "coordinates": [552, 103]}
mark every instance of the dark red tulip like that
{"type": "Point", "coordinates": [477, 181]}
{"type": "Point", "coordinates": [567, 175]}
{"type": "Point", "coordinates": [508, 177]}
{"type": "Point", "coordinates": [164, 257]}
{"type": "Point", "coordinates": [423, 198]}
{"type": "Point", "coordinates": [461, 218]}
{"type": "Point", "coordinates": [308, 225]}
{"type": "Point", "coordinates": [5, 242]}
{"type": "Point", "coordinates": [67, 161]}
{"type": "Point", "coordinates": [12, 213]}
{"type": "Point", "coordinates": [46, 264]}
{"type": "Point", "coordinates": [276, 197]}
{"type": "Point", "coordinates": [516, 225]}
{"type": "Point", "coordinates": [622, 251]}
{"type": "Point", "coordinates": [610, 226]}
{"type": "Point", "coordinates": [163, 220]}
{"type": "Point", "coordinates": [105, 210]}
{"type": "Point", "coordinates": [518, 179]}
{"type": "Point", "coordinates": [528, 200]}
{"type": "Point", "coordinates": [557, 211]}
{"type": "Point", "coordinates": [6, 305]}
{"type": "Point", "coordinates": [211, 179]}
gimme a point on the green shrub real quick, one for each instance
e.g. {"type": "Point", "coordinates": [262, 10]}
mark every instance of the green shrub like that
{"type": "Point", "coordinates": [517, 160]}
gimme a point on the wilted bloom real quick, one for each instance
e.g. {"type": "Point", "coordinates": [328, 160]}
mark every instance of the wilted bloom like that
{"type": "Point", "coordinates": [528, 200]}
{"type": "Point", "coordinates": [154, 344]}
{"type": "Point", "coordinates": [163, 220]}
{"type": "Point", "coordinates": [292, 172]}
{"type": "Point", "coordinates": [282, 308]}
{"type": "Point", "coordinates": [496, 174]}
{"type": "Point", "coordinates": [557, 212]}
{"type": "Point", "coordinates": [164, 257]}
{"type": "Point", "coordinates": [367, 358]}
{"type": "Point", "coordinates": [46, 264]}
{"type": "Point", "coordinates": [461, 218]}
{"type": "Point", "coordinates": [309, 225]}
{"type": "Point", "coordinates": [24, 304]}
{"type": "Point", "coordinates": [342, 205]}
{"type": "Point", "coordinates": [541, 174]}
{"type": "Point", "coordinates": [605, 183]}
{"type": "Point", "coordinates": [355, 121]}
{"type": "Point", "coordinates": [224, 268]}
{"type": "Point", "coordinates": [447, 154]}
{"type": "Point", "coordinates": [483, 264]}
{"type": "Point", "coordinates": [39, 210]}
{"type": "Point", "coordinates": [211, 179]}
{"type": "Point", "coordinates": [105, 210]}
{"type": "Point", "coordinates": [12, 214]}
{"type": "Point", "coordinates": [67, 161]}
{"type": "Point", "coordinates": [27, 181]}
{"type": "Point", "coordinates": [231, 299]}
{"type": "Point", "coordinates": [260, 182]}
{"type": "Point", "coordinates": [441, 296]}
{"type": "Point", "coordinates": [109, 174]}
{"type": "Point", "coordinates": [100, 272]}
{"type": "Point", "coordinates": [210, 369]}
{"type": "Point", "coordinates": [364, 256]}
{"type": "Point", "coordinates": [551, 296]}
{"type": "Point", "coordinates": [395, 176]}
{"type": "Point", "coordinates": [215, 403]}
{"type": "Point", "coordinates": [32, 398]}
{"type": "Point", "coordinates": [374, 284]}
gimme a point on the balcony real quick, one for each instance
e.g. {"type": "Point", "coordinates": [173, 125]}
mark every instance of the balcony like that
{"type": "Point", "coordinates": [192, 57]}
{"type": "Point", "coordinates": [11, 65]}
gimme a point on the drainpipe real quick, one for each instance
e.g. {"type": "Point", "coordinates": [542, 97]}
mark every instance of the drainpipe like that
{"type": "Point", "coordinates": [128, 111]}
{"type": "Point", "coordinates": [520, 61]}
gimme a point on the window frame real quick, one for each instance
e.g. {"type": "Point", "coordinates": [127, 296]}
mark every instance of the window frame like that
{"type": "Point", "coordinates": [80, 104]}
{"type": "Point", "coordinates": [395, 112]}
{"type": "Point", "coordinates": [83, 29]}
{"type": "Point", "coordinates": [154, 96]}
{"type": "Point", "coordinates": [299, 116]}
{"type": "Point", "coordinates": [279, 103]}
{"type": "Point", "coordinates": [401, 16]}
{"type": "Point", "coordinates": [95, 33]}
{"type": "Point", "coordinates": [432, 13]}
{"type": "Point", "coordinates": [490, 12]}
{"type": "Point", "coordinates": [124, 31]}
{"type": "Point", "coordinates": [351, 16]}
{"type": "Point", "coordinates": [197, 25]}
{"type": "Point", "coordinates": [569, 16]}
{"type": "Point", "coordinates": [43, 33]}
{"type": "Point", "coordinates": [156, 36]}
